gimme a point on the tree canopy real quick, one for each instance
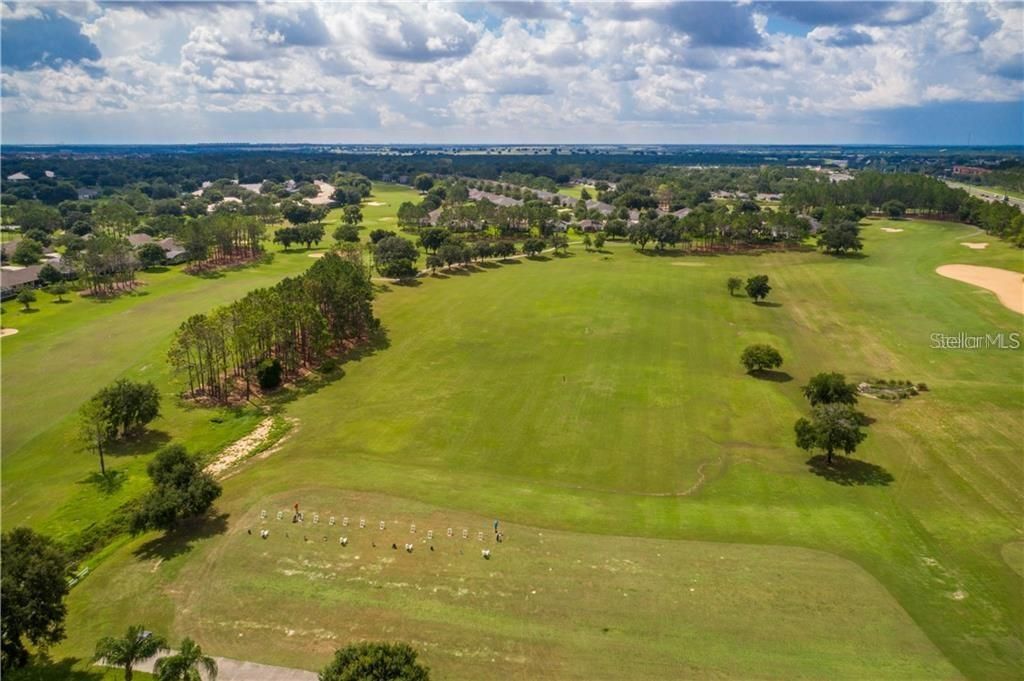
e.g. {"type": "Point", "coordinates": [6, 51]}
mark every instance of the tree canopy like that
{"type": "Point", "coordinates": [33, 580]}
{"type": "Point", "coordinates": [395, 257]}
{"type": "Point", "coordinates": [757, 287]}
{"type": "Point", "coordinates": [831, 427]}
{"type": "Point", "coordinates": [181, 490]}
{"type": "Point", "coordinates": [370, 661]}
{"type": "Point", "coordinates": [759, 357]}
{"type": "Point", "coordinates": [126, 651]}
{"type": "Point", "coordinates": [830, 388]}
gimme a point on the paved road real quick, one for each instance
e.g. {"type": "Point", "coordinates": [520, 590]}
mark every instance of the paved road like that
{"type": "Point", "coordinates": [237, 670]}
{"type": "Point", "coordinates": [987, 194]}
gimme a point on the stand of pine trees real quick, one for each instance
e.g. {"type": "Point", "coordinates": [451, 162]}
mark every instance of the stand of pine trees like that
{"type": "Point", "coordinates": [222, 238]}
{"type": "Point", "coordinates": [300, 322]}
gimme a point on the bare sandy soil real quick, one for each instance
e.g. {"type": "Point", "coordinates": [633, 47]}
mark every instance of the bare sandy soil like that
{"type": "Point", "coordinates": [242, 448]}
{"type": "Point", "coordinates": [1007, 285]}
{"type": "Point", "coordinates": [976, 245]}
{"type": "Point", "coordinates": [324, 197]}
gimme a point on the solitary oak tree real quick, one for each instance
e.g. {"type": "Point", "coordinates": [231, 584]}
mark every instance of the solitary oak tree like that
{"type": "Point", "coordinates": [831, 427]}
{"type": "Point", "coordinates": [757, 287]}
{"type": "Point", "coordinates": [760, 357]}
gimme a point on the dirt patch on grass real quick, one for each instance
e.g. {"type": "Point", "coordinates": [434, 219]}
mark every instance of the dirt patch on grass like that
{"type": "Point", "coordinates": [7, 332]}
{"type": "Point", "coordinates": [324, 197]}
{"type": "Point", "coordinates": [891, 229]}
{"type": "Point", "coordinates": [975, 245]}
{"type": "Point", "coordinates": [241, 449]}
{"type": "Point", "coordinates": [1006, 284]}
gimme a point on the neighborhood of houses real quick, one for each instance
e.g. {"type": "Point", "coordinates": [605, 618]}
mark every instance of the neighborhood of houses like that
{"type": "Point", "coordinates": [13, 278]}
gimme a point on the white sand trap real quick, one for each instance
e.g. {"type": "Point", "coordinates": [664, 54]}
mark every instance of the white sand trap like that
{"type": "Point", "coordinates": [891, 229]}
{"type": "Point", "coordinates": [689, 264]}
{"type": "Point", "coordinates": [315, 255]}
{"type": "Point", "coordinates": [7, 332]}
{"type": "Point", "coordinates": [975, 245]}
{"type": "Point", "coordinates": [1007, 285]}
{"type": "Point", "coordinates": [374, 203]}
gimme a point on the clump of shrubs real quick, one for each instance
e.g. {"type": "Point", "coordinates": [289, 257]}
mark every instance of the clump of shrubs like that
{"type": "Point", "coordinates": [269, 373]}
{"type": "Point", "coordinates": [891, 389]}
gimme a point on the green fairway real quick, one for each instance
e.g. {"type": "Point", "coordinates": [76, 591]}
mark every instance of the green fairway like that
{"type": "Point", "coordinates": [379, 209]}
{"type": "Point", "coordinates": [597, 397]}
{"type": "Point", "coordinates": [63, 353]}
{"type": "Point", "coordinates": [574, 190]}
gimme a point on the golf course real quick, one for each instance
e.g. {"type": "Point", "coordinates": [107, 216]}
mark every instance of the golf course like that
{"type": "Point", "coordinates": [658, 520]}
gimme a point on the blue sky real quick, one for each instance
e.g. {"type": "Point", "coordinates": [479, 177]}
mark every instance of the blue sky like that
{"type": "Point", "coordinates": [505, 72]}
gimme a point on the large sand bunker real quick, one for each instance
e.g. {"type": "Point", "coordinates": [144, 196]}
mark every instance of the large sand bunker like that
{"type": "Point", "coordinates": [976, 245]}
{"type": "Point", "coordinates": [7, 332]}
{"type": "Point", "coordinates": [1007, 285]}
{"type": "Point", "coordinates": [891, 229]}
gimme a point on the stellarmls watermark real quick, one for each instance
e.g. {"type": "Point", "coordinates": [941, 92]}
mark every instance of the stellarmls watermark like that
{"type": "Point", "coordinates": [965, 341]}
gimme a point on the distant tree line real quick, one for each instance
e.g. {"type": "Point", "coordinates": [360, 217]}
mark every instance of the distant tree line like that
{"type": "Point", "coordinates": [298, 322]}
{"type": "Point", "coordinates": [894, 193]}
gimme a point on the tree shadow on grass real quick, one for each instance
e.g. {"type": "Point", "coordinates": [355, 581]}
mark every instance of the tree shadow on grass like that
{"type": "Point", "coordinates": [313, 382]}
{"type": "Point", "coordinates": [664, 253]}
{"type": "Point", "coordinates": [438, 275]}
{"type": "Point", "coordinates": [42, 668]}
{"type": "Point", "coordinates": [766, 303]}
{"type": "Point", "coordinates": [538, 258]}
{"type": "Point", "coordinates": [566, 254]}
{"type": "Point", "coordinates": [510, 261]}
{"type": "Point", "coordinates": [148, 441]}
{"type": "Point", "coordinates": [489, 265]}
{"type": "Point", "coordinates": [208, 274]}
{"type": "Point", "coordinates": [411, 282]}
{"type": "Point", "coordinates": [771, 375]}
{"type": "Point", "coordinates": [183, 538]}
{"type": "Point", "coordinates": [849, 256]}
{"type": "Point", "coordinates": [849, 472]}
{"type": "Point", "coordinates": [108, 484]}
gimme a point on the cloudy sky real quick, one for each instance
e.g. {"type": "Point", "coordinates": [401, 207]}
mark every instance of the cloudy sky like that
{"type": "Point", "coordinates": [692, 72]}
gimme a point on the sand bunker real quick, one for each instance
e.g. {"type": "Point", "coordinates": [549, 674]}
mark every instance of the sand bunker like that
{"type": "Point", "coordinates": [315, 255]}
{"type": "Point", "coordinates": [374, 203]}
{"type": "Point", "coordinates": [976, 245]}
{"type": "Point", "coordinates": [7, 332]}
{"type": "Point", "coordinates": [689, 264]}
{"type": "Point", "coordinates": [1007, 285]}
{"type": "Point", "coordinates": [891, 229]}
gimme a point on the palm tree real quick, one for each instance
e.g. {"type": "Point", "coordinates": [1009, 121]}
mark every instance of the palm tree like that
{"type": "Point", "coordinates": [136, 645]}
{"type": "Point", "coordinates": [185, 665]}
